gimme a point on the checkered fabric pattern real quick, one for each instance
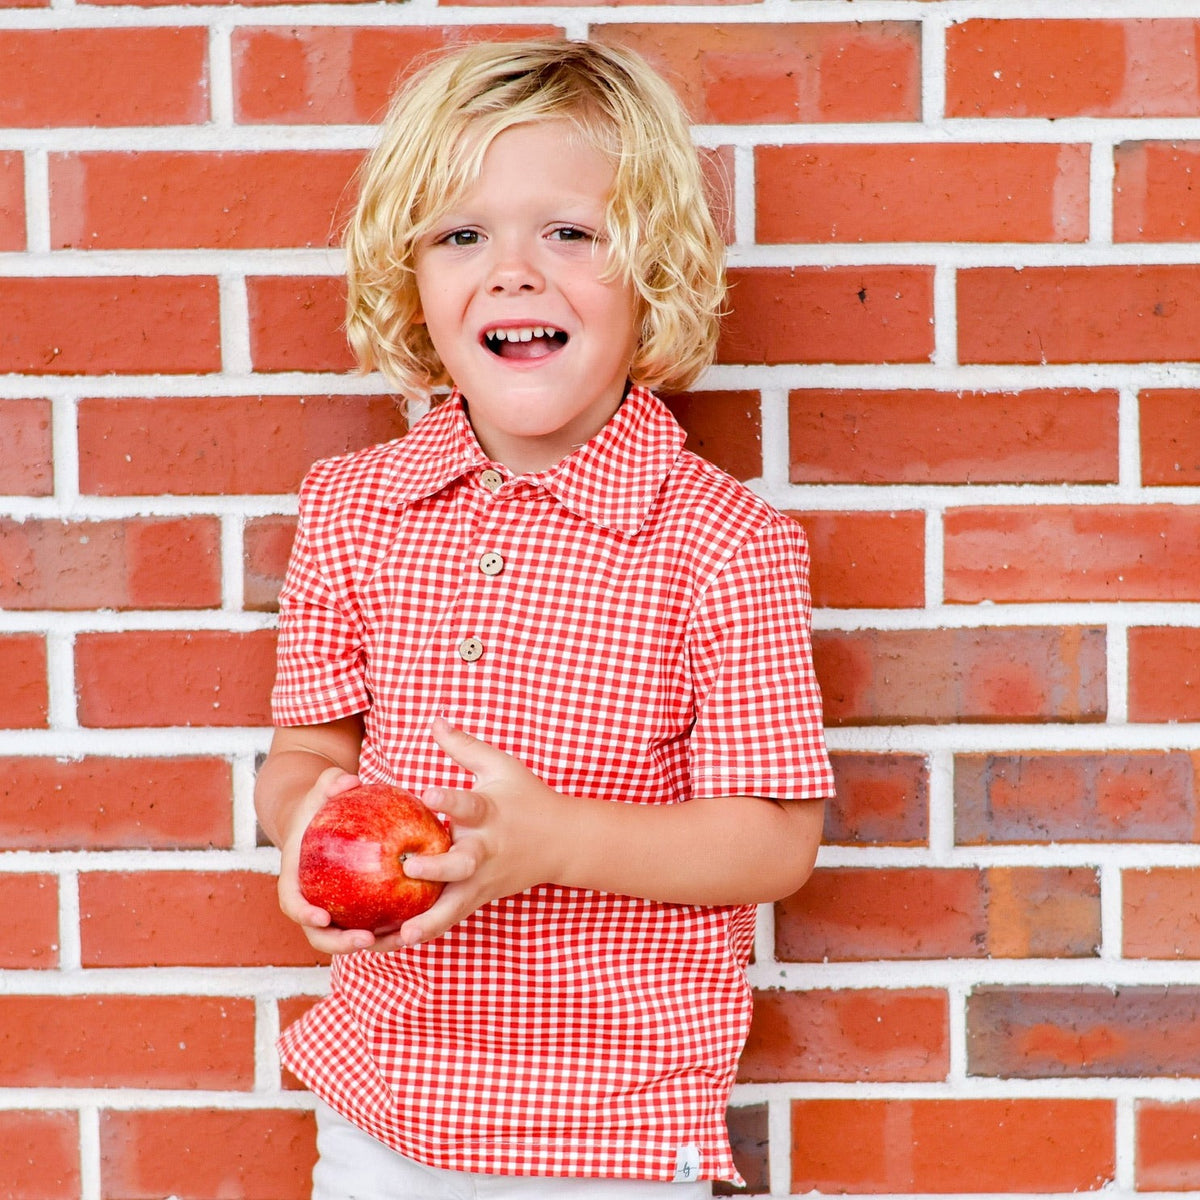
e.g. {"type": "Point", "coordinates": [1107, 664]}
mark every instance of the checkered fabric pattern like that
{"type": "Point", "coordinates": [632, 624]}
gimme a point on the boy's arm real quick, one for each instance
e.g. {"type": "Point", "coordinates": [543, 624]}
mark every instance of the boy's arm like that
{"type": "Point", "coordinates": [512, 831]}
{"type": "Point", "coordinates": [304, 767]}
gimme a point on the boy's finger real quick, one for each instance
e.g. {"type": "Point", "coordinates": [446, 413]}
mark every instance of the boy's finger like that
{"type": "Point", "coordinates": [469, 752]}
{"type": "Point", "coordinates": [463, 807]}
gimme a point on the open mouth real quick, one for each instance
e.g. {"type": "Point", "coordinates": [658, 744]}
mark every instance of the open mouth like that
{"type": "Point", "coordinates": [525, 341]}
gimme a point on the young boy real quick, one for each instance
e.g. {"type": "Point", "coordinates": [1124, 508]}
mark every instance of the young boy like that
{"type": "Point", "coordinates": [584, 646]}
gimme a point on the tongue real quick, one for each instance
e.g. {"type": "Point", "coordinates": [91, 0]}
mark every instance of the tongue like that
{"type": "Point", "coordinates": [537, 347]}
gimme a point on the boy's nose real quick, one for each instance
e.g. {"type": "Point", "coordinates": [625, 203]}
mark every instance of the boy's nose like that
{"type": "Point", "coordinates": [513, 272]}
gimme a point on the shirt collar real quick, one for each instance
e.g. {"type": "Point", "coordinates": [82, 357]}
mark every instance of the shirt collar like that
{"type": "Point", "coordinates": [611, 481]}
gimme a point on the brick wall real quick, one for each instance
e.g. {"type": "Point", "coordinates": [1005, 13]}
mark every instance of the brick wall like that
{"type": "Point", "coordinates": [964, 352]}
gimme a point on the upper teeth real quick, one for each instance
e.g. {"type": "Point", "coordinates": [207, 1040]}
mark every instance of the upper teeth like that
{"type": "Point", "coordinates": [524, 334]}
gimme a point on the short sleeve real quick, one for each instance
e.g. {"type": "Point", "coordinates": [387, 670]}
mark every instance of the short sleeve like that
{"type": "Point", "coordinates": [758, 729]}
{"type": "Point", "coordinates": [320, 671]}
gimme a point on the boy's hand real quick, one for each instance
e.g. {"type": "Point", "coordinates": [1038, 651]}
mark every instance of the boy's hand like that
{"type": "Point", "coordinates": [505, 832]}
{"type": "Point", "coordinates": [315, 922]}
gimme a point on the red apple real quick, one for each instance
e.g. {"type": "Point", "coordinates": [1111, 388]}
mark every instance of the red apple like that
{"type": "Point", "coordinates": [352, 857]}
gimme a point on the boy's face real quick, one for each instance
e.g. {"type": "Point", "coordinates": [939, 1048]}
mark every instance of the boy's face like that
{"type": "Point", "coordinates": [511, 293]}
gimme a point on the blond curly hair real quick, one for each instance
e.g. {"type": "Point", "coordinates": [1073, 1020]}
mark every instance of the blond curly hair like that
{"type": "Point", "coordinates": [659, 223]}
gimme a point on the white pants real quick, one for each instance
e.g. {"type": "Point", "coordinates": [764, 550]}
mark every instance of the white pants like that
{"type": "Point", "coordinates": [352, 1165]}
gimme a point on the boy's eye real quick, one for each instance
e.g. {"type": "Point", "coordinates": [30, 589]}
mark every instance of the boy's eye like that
{"type": "Point", "coordinates": [461, 237]}
{"type": "Point", "coordinates": [572, 233]}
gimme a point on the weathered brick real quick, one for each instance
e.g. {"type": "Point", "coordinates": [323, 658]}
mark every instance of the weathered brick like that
{"type": "Point", "coordinates": [828, 315]}
{"type": "Point", "coordinates": [1107, 314]}
{"type": "Point", "coordinates": [253, 1154]}
{"type": "Point", "coordinates": [1057, 552]}
{"type": "Point", "coordinates": [100, 803]}
{"type": "Point", "coordinates": [1114, 796]}
{"type": "Point", "coordinates": [105, 77]}
{"type": "Point", "coordinates": [148, 919]}
{"type": "Point", "coordinates": [1154, 193]}
{"type": "Point", "coordinates": [1164, 673]}
{"type": "Point", "coordinates": [1169, 431]}
{"type": "Point", "coordinates": [221, 445]}
{"type": "Point", "coordinates": [146, 562]}
{"type": "Point", "coordinates": [848, 1035]}
{"type": "Point", "coordinates": [724, 427]}
{"type": "Point", "coordinates": [31, 941]}
{"type": "Point", "coordinates": [1086, 1031]}
{"type": "Point", "coordinates": [866, 559]}
{"type": "Point", "coordinates": [12, 200]}
{"type": "Point", "coordinates": [25, 697]}
{"type": "Point", "coordinates": [958, 1146]}
{"type": "Point", "coordinates": [922, 192]}
{"type": "Point", "coordinates": [1042, 435]}
{"type": "Point", "coordinates": [105, 200]}
{"type": "Point", "coordinates": [998, 67]}
{"type": "Point", "coordinates": [937, 676]}
{"type": "Point", "coordinates": [744, 74]}
{"type": "Point", "coordinates": [1159, 913]}
{"type": "Point", "coordinates": [161, 324]}
{"type": "Point", "coordinates": [127, 1041]}
{"type": "Point", "coordinates": [1168, 1146]}
{"type": "Point", "coordinates": [40, 1152]}
{"type": "Point", "coordinates": [341, 75]}
{"type": "Point", "coordinates": [27, 466]}
{"type": "Point", "coordinates": [173, 677]}
{"type": "Point", "coordinates": [267, 545]}
{"type": "Point", "coordinates": [296, 323]}
{"type": "Point", "coordinates": [879, 799]}
{"type": "Point", "coordinates": [859, 914]}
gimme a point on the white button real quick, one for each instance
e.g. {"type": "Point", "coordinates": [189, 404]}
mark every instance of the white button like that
{"type": "Point", "coordinates": [470, 649]}
{"type": "Point", "coordinates": [491, 563]}
{"type": "Point", "coordinates": [491, 480]}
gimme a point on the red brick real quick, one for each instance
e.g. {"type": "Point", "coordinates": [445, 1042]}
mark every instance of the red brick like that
{"type": "Point", "coordinates": [1093, 1032]}
{"type": "Point", "coordinates": [164, 199]}
{"type": "Point", "coordinates": [1072, 552]}
{"type": "Point", "coordinates": [33, 940]}
{"type": "Point", "coordinates": [859, 914]}
{"type": "Point", "coordinates": [268, 543]}
{"type": "Point", "coordinates": [296, 323]}
{"type": "Point", "coordinates": [1159, 913]}
{"type": "Point", "coordinates": [922, 192]}
{"type": "Point", "coordinates": [221, 445]}
{"type": "Point", "coordinates": [1115, 796]}
{"type": "Point", "coordinates": [901, 1146]}
{"type": "Point", "coordinates": [340, 75]}
{"type": "Point", "coordinates": [196, 1154]}
{"type": "Point", "coordinates": [1169, 425]}
{"type": "Point", "coordinates": [27, 466]}
{"type": "Point", "coordinates": [755, 73]}
{"type": "Point", "coordinates": [25, 697]}
{"type": "Point", "coordinates": [143, 562]}
{"type": "Point", "coordinates": [1072, 68]}
{"type": "Point", "coordinates": [922, 436]}
{"type": "Point", "coordinates": [866, 559]}
{"type": "Point", "coordinates": [859, 1034]}
{"type": "Point", "coordinates": [12, 200]}
{"type": "Point", "coordinates": [174, 677]}
{"type": "Point", "coordinates": [148, 919]}
{"type": "Point", "coordinates": [828, 315]}
{"type": "Point", "coordinates": [40, 1153]}
{"type": "Point", "coordinates": [192, 1042]}
{"type": "Point", "coordinates": [66, 326]}
{"type": "Point", "coordinates": [115, 803]}
{"type": "Point", "coordinates": [1168, 1146]}
{"type": "Point", "coordinates": [724, 427]}
{"type": "Point", "coordinates": [938, 676]}
{"type": "Point", "coordinates": [106, 77]}
{"type": "Point", "coordinates": [749, 1138]}
{"type": "Point", "coordinates": [879, 799]}
{"type": "Point", "coordinates": [1079, 314]}
{"type": "Point", "coordinates": [1154, 198]}
{"type": "Point", "coordinates": [1164, 674]}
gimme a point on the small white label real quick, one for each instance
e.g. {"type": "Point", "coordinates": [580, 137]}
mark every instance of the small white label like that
{"type": "Point", "coordinates": [687, 1164]}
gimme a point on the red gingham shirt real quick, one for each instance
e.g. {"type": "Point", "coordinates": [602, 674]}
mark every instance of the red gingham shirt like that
{"type": "Point", "coordinates": [632, 624]}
